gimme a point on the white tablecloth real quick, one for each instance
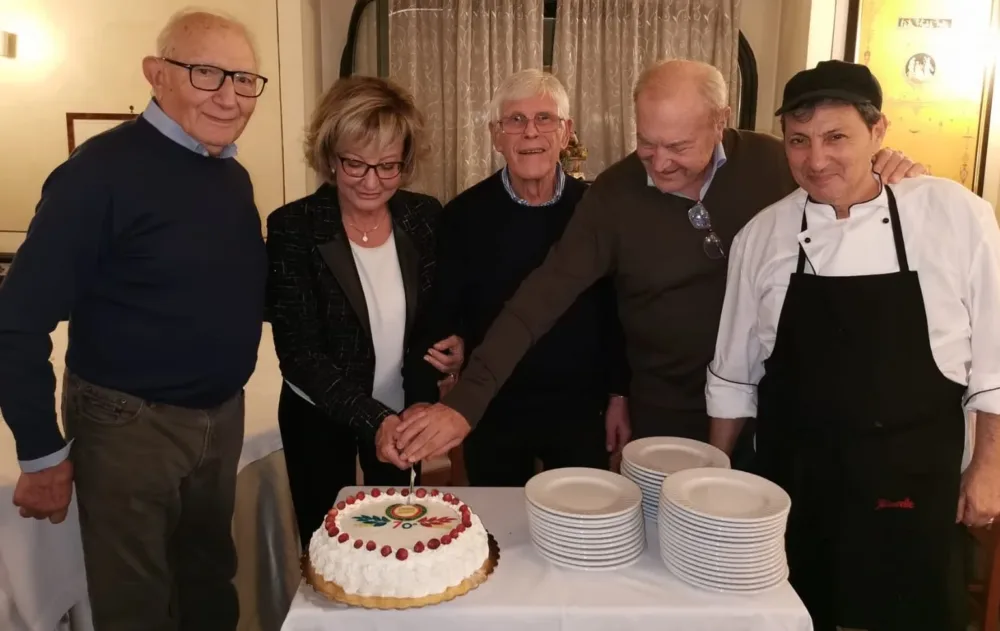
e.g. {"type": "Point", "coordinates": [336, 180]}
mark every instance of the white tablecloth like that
{"type": "Point", "coordinates": [41, 564]}
{"type": "Point", "coordinates": [526, 593]}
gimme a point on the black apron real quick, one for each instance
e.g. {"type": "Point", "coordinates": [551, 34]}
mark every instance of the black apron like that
{"type": "Point", "coordinates": [857, 423]}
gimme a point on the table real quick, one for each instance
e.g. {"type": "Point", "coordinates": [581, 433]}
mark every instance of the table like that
{"type": "Point", "coordinates": [526, 593]}
{"type": "Point", "coordinates": [41, 564]}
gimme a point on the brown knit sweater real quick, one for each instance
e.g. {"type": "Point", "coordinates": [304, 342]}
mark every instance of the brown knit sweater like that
{"type": "Point", "coordinates": [669, 291]}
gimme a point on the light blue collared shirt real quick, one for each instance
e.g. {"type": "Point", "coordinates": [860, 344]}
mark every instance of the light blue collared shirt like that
{"type": "Point", "coordinates": [560, 185]}
{"type": "Point", "coordinates": [718, 159]}
{"type": "Point", "coordinates": [169, 128]}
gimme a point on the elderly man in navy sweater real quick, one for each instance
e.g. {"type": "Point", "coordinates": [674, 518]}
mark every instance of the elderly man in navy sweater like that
{"type": "Point", "coordinates": [148, 241]}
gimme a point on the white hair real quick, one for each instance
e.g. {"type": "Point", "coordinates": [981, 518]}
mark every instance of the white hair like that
{"type": "Point", "coordinates": [166, 41]}
{"type": "Point", "coordinates": [525, 85]}
{"type": "Point", "coordinates": [710, 81]}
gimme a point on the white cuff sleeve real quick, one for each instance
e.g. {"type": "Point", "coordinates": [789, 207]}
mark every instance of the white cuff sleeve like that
{"type": "Point", "coordinates": [51, 460]}
{"type": "Point", "coordinates": [728, 399]}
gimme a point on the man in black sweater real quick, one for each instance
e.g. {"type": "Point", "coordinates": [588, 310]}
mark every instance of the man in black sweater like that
{"type": "Point", "coordinates": [148, 241]}
{"type": "Point", "coordinates": [490, 238]}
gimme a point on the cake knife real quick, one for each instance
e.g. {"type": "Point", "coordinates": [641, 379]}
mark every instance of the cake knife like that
{"type": "Point", "coordinates": [413, 477]}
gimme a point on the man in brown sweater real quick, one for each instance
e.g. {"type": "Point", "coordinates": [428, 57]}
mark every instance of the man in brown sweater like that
{"type": "Point", "coordinates": [660, 222]}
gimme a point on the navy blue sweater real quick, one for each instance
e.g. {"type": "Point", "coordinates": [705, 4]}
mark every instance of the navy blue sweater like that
{"type": "Point", "coordinates": [154, 254]}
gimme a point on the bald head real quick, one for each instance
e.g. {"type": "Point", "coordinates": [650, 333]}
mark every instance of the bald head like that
{"type": "Point", "coordinates": [187, 26]}
{"type": "Point", "coordinates": [200, 58]}
{"type": "Point", "coordinates": [684, 79]}
{"type": "Point", "coordinates": [680, 113]}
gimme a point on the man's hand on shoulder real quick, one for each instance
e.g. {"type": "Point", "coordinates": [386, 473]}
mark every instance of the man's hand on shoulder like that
{"type": "Point", "coordinates": [45, 494]}
{"type": "Point", "coordinates": [893, 166]}
{"type": "Point", "coordinates": [432, 432]}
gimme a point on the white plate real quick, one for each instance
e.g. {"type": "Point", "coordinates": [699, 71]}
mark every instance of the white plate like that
{"type": "Point", "coordinates": [574, 564]}
{"type": "Point", "coordinates": [726, 495]}
{"type": "Point", "coordinates": [670, 454]}
{"type": "Point", "coordinates": [581, 492]}
{"type": "Point", "coordinates": [536, 512]}
{"type": "Point", "coordinates": [625, 551]}
{"type": "Point", "coordinates": [717, 586]}
{"type": "Point", "coordinates": [589, 535]}
{"type": "Point", "coordinates": [596, 545]}
{"type": "Point", "coordinates": [673, 518]}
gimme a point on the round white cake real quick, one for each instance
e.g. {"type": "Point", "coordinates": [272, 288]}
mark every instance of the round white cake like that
{"type": "Point", "coordinates": [390, 545]}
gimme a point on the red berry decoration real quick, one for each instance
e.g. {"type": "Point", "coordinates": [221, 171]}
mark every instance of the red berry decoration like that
{"type": "Point", "coordinates": [386, 551]}
{"type": "Point", "coordinates": [434, 492]}
{"type": "Point", "coordinates": [448, 497]}
{"type": "Point", "coordinates": [404, 492]}
{"type": "Point", "coordinates": [370, 546]}
{"type": "Point", "coordinates": [332, 513]}
{"type": "Point", "coordinates": [351, 499]}
{"type": "Point", "coordinates": [341, 505]}
{"type": "Point", "coordinates": [445, 540]}
{"type": "Point", "coordinates": [390, 491]}
{"type": "Point", "coordinates": [376, 492]}
{"type": "Point", "coordinates": [361, 495]}
{"type": "Point", "coordinates": [421, 493]}
{"type": "Point", "coordinates": [433, 544]}
{"type": "Point", "coordinates": [358, 543]}
{"type": "Point", "coordinates": [401, 554]}
{"type": "Point", "coordinates": [343, 537]}
{"type": "Point", "coordinates": [418, 547]}
{"type": "Point", "coordinates": [454, 533]}
{"type": "Point", "coordinates": [333, 531]}
{"type": "Point", "coordinates": [460, 528]}
{"type": "Point", "coordinates": [467, 522]}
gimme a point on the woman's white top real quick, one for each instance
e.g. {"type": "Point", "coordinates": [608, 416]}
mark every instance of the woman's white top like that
{"type": "Point", "coordinates": [382, 282]}
{"type": "Point", "coordinates": [952, 241]}
{"type": "Point", "coordinates": [385, 297]}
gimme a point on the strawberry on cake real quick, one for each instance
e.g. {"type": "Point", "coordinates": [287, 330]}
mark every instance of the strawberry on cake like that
{"type": "Point", "coordinates": [388, 549]}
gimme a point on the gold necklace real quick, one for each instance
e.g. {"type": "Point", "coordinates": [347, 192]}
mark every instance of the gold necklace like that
{"type": "Point", "coordinates": [364, 233]}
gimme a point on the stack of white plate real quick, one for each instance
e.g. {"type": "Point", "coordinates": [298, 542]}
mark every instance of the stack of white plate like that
{"type": "Point", "coordinates": [585, 519]}
{"type": "Point", "coordinates": [724, 530]}
{"type": "Point", "coordinates": [648, 461]}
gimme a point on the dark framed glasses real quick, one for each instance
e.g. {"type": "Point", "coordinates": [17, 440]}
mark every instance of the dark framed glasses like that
{"type": "Point", "coordinates": [359, 168]}
{"type": "Point", "coordinates": [701, 220]}
{"type": "Point", "coordinates": [517, 123]}
{"type": "Point", "coordinates": [211, 78]}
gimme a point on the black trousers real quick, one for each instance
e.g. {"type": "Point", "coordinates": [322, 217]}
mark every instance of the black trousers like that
{"type": "Point", "coordinates": [561, 431]}
{"type": "Point", "coordinates": [320, 459]}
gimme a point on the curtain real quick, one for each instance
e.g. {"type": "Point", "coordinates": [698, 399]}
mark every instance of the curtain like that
{"type": "Point", "coordinates": [601, 47]}
{"type": "Point", "coordinates": [366, 46]}
{"type": "Point", "coordinates": [452, 55]}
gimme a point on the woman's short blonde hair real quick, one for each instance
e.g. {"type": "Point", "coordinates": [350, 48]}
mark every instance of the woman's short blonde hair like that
{"type": "Point", "coordinates": [364, 110]}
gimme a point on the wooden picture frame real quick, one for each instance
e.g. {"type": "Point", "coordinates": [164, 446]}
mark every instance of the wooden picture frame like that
{"type": "Point", "coordinates": [80, 126]}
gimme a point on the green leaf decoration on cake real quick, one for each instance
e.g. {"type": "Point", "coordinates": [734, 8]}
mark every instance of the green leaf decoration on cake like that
{"type": "Point", "coordinates": [371, 520]}
{"type": "Point", "coordinates": [436, 522]}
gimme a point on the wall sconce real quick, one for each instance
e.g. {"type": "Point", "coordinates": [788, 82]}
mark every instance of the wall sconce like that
{"type": "Point", "coordinates": [8, 44]}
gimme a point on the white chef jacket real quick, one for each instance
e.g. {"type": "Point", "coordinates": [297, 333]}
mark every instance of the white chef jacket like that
{"type": "Point", "coordinates": [952, 241]}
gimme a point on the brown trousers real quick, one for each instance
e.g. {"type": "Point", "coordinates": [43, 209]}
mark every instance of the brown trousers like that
{"type": "Point", "coordinates": [155, 485]}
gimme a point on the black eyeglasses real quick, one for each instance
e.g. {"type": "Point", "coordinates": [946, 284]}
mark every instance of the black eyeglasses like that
{"type": "Point", "coordinates": [360, 168]}
{"type": "Point", "coordinates": [517, 123]}
{"type": "Point", "coordinates": [211, 78]}
{"type": "Point", "coordinates": [701, 220]}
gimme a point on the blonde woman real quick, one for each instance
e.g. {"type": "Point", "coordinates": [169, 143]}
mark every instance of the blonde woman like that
{"type": "Point", "coordinates": [350, 273]}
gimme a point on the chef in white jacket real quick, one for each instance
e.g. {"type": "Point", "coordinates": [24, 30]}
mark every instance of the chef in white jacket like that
{"type": "Point", "coordinates": [858, 322]}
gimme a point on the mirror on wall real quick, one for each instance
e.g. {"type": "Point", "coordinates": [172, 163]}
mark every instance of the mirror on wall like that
{"type": "Point", "coordinates": [934, 60]}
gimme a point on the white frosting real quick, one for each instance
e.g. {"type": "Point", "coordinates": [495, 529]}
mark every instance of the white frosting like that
{"type": "Point", "coordinates": [367, 572]}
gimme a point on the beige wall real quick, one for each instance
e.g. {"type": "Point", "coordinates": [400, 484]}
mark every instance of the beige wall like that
{"type": "Point", "coordinates": [84, 56]}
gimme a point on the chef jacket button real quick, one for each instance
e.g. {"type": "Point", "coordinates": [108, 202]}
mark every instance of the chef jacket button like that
{"type": "Point", "coordinates": [807, 240]}
{"type": "Point", "coordinates": [885, 220]}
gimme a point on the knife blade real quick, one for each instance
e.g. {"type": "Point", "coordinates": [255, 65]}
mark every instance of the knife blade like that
{"type": "Point", "coordinates": [413, 478]}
